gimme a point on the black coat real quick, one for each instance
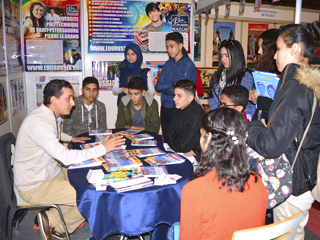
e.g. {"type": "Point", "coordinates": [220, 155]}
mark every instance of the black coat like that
{"type": "Point", "coordinates": [184, 130]}
{"type": "Point", "coordinates": [289, 122]}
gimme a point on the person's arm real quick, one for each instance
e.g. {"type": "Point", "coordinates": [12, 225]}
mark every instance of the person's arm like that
{"type": "Point", "coordinates": [121, 118]}
{"type": "Point", "coordinates": [162, 85]}
{"type": "Point", "coordinates": [154, 119]}
{"type": "Point", "coordinates": [150, 83]}
{"type": "Point", "coordinates": [190, 72]}
{"type": "Point", "coordinates": [190, 218]}
{"type": "Point", "coordinates": [274, 140]}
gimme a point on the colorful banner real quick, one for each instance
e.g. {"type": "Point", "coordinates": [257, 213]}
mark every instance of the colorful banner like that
{"type": "Point", "coordinates": [242, 4]}
{"type": "Point", "coordinates": [4, 113]}
{"type": "Point", "coordinates": [2, 57]}
{"type": "Point", "coordinates": [104, 72]}
{"type": "Point", "coordinates": [222, 31]}
{"type": "Point", "coordinates": [228, 7]}
{"type": "Point", "coordinates": [52, 35]}
{"type": "Point", "coordinates": [254, 31]}
{"type": "Point", "coordinates": [113, 24]}
{"type": "Point", "coordinates": [12, 26]}
{"type": "Point", "coordinates": [197, 41]}
{"type": "Point", "coordinates": [17, 96]}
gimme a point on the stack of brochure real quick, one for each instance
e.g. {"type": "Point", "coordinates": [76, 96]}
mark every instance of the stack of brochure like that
{"type": "Point", "coordinates": [128, 132]}
{"type": "Point", "coordinates": [147, 152]}
{"type": "Point", "coordinates": [100, 132]}
{"type": "Point", "coordinates": [132, 184]}
{"type": "Point", "coordinates": [149, 171]}
{"type": "Point", "coordinates": [121, 158]}
{"type": "Point", "coordinates": [169, 158]}
{"type": "Point", "coordinates": [152, 143]}
{"type": "Point", "coordinates": [88, 163]}
{"type": "Point", "coordinates": [142, 136]}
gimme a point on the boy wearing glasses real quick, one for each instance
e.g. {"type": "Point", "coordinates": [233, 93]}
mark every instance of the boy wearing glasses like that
{"type": "Point", "coordinates": [236, 97]}
{"type": "Point", "coordinates": [184, 130]}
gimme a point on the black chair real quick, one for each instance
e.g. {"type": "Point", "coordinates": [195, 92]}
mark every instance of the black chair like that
{"type": "Point", "coordinates": [11, 200]}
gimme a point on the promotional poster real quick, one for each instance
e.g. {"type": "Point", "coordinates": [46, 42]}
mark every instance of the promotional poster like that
{"type": "Point", "coordinates": [114, 24]}
{"type": "Point", "coordinates": [17, 96]}
{"type": "Point", "coordinates": [104, 72]}
{"type": "Point", "coordinates": [52, 36]}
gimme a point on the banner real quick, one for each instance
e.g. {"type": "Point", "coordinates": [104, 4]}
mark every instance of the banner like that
{"type": "Point", "coordinates": [114, 24]}
{"type": "Point", "coordinates": [2, 57]}
{"type": "Point", "coordinates": [4, 113]}
{"type": "Point", "coordinates": [104, 72]}
{"type": "Point", "coordinates": [17, 96]}
{"type": "Point", "coordinates": [52, 36]}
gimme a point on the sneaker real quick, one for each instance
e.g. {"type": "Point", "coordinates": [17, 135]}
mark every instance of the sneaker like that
{"type": "Point", "coordinates": [61, 235]}
{"type": "Point", "coordinates": [45, 229]}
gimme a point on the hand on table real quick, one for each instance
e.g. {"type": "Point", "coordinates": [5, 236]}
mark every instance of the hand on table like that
{"type": "Point", "coordinates": [253, 96]}
{"type": "Point", "coordinates": [190, 154]}
{"type": "Point", "coordinates": [110, 143]}
{"type": "Point", "coordinates": [79, 139]}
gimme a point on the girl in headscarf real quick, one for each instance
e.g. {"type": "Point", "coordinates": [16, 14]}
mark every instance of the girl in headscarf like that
{"type": "Point", "coordinates": [129, 67]}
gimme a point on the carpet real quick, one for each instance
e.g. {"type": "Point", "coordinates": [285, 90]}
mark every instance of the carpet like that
{"type": "Point", "coordinates": [314, 219]}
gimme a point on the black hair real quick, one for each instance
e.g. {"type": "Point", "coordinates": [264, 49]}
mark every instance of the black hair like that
{"type": "Point", "coordinates": [186, 85]}
{"type": "Point", "coordinates": [269, 48]}
{"type": "Point", "coordinates": [137, 83]}
{"type": "Point", "coordinates": [150, 7]}
{"type": "Point", "coordinates": [307, 36]}
{"type": "Point", "coordinates": [237, 64]}
{"type": "Point", "coordinates": [237, 94]}
{"type": "Point", "coordinates": [89, 80]}
{"type": "Point", "coordinates": [178, 38]}
{"type": "Point", "coordinates": [41, 21]}
{"type": "Point", "coordinates": [226, 151]}
{"type": "Point", "coordinates": [54, 88]}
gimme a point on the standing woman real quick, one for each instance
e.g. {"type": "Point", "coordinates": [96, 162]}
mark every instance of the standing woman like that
{"type": "Point", "coordinates": [289, 115]}
{"type": "Point", "coordinates": [267, 43]}
{"type": "Point", "coordinates": [36, 21]}
{"type": "Point", "coordinates": [231, 71]}
{"type": "Point", "coordinates": [128, 68]}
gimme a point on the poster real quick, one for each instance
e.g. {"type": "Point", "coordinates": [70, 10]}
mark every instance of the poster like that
{"type": "Point", "coordinates": [41, 82]}
{"type": "Point", "coordinates": [104, 72]}
{"type": "Point", "coordinates": [12, 30]}
{"type": "Point", "coordinates": [206, 76]}
{"type": "Point", "coordinates": [254, 31]}
{"type": "Point", "coordinates": [114, 24]}
{"type": "Point", "coordinates": [221, 31]}
{"type": "Point", "coordinates": [17, 96]}
{"type": "Point", "coordinates": [156, 67]}
{"type": "Point", "coordinates": [2, 57]}
{"type": "Point", "coordinates": [3, 103]}
{"type": "Point", "coordinates": [52, 35]}
{"type": "Point", "coordinates": [197, 41]}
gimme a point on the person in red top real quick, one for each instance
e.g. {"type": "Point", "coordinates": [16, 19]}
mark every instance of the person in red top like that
{"type": "Point", "coordinates": [225, 195]}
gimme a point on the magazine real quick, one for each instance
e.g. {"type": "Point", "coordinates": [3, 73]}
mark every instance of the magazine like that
{"type": "Point", "coordinates": [116, 177]}
{"type": "Point", "coordinates": [169, 158]}
{"type": "Point", "coordinates": [100, 132]}
{"type": "Point", "coordinates": [147, 152]}
{"type": "Point", "coordinates": [121, 158]}
{"type": "Point", "coordinates": [266, 83]}
{"type": "Point", "coordinates": [132, 184]}
{"type": "Point", "coordinates": [144, 143]}
{"type": "Point", "coordinates": [128, 132]}
{"type": "Point", "coordinates": [143, 136]}
{"type": "Point", "coordinates": [149, 171]}
{"type": "Point", "coordinates": [89, 145]}
{"type": "Point", "coordinates": [88, 163]}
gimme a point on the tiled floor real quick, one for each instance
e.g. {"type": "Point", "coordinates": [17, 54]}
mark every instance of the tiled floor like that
{"type": "Point", "coordinates": [26, 232]}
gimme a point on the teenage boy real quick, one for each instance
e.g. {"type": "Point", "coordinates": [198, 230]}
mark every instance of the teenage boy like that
{"type": "Point", "coordinates": [235, 97]}
{"type": "Point", "coordinates": [184, 131]}
{"type": "Point", "coordinates": [39, 157]}
{"type": "Point", "coordinates": [138, 109]}
{"type": "Point", "coordinates": [88, 112]}
{"type": "Point", "coordinates": [153, 12]}
{"type": "Point", "coordinates": [178, 67]}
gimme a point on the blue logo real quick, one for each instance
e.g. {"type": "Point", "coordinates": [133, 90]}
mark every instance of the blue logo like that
{"type": "Point", "coordinates": [180, 23]}
{"type": "Point", "coordinates": [72, 10]}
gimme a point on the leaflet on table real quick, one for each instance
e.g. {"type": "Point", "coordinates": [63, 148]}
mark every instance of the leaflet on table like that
{"type": "Point", "coordinates": [266, 83]}
{"type": "Point", "coordinates": [89, 145]}
{"type": "Point", "coordinates": [121, 158]}
{"type": "Point", "coordinates": [117, 176]}
{"type": "Point", "coordinates": [142, 136]}
{"type": "Point", "coordinates": [147, 152]}
{"type": "Point", "coordinates": [132, 184]}
{"type": "Point", "coordinates": [152, 143]}
{"type": "Point", "coordinates": [88, 163]}
{"type": "Point", "coordinates": [169, 158]}
{"type": "Point", "coordinates": [128, 132]}
{"type": "Point", "coordinates": [100, 132]}
{"type": "Point", "coordinates": [149, 171]}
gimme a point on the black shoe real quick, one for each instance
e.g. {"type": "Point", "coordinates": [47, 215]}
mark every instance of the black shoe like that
{"type": "Point", "coordinates": [45, 229]}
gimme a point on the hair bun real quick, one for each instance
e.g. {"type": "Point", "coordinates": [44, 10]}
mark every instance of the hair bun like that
{"type": "Point", "coordinates": [315, 30]}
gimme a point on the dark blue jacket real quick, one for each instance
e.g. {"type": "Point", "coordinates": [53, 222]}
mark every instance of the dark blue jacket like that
{"type": "Point", "coordinates": [171, 73]}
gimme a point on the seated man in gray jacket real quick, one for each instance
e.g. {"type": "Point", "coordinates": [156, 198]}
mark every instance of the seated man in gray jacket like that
{"type": "Point", "coordinates": [88, 113]}
{"type": "Point", "coordinates": [138, 109]}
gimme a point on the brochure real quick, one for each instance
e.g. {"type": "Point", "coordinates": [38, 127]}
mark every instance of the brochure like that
{"type": "Point", "coordinates": [266, 83]}
{"type": "Point", "coordinates": [147, 152]}
{"type": "Point", "coordinates": [116, 177]}
{"type": "Point", "coordinates": [89, 145]}
{"type": "Point", "coordinates": [144, 143]}
{"type": "Point", "coordinates": [100, 132]}
{"type": "Point", "coordinates": [132, 184]}
{"type": "Point", "coordinates": [149, 171]}
{"type": "Point", "coordinates": [128, 132]}
{"type": "Point", "coordinates": [143, 136]}
{"type": "Point", "coordinates": [169, 158]}
{"type": "Point", "coordinates": [88, 163]}
{"type": "Point", "coordinates": [121, 158]}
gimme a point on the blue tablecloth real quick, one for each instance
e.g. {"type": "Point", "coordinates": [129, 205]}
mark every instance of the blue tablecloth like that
{"type": "Point", "coordinates": [134, 212]}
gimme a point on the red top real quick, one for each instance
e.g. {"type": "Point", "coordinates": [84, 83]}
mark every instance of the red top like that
{"type": "Point", "coordinates": [245, 116]}
{"type": "Point", "coordinates": [208, 212]}
{"type": "Point", "coordinates": [199, 85]}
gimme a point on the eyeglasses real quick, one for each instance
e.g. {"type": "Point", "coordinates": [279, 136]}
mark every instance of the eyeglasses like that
{"type": "Point", "coordinates": [221, 104]}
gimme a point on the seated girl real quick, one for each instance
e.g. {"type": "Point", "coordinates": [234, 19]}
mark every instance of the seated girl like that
{"type": "Point", "coordinates": [225, 195]}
